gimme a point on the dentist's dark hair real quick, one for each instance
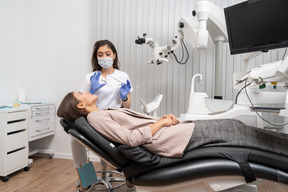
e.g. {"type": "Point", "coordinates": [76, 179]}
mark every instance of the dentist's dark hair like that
{"type": "Point", "coordinates": [94, 60]}
{"type": "Point", "coordinates": [68, 108]}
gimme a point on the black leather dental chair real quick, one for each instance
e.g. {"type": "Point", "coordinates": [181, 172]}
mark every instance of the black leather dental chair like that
{"type": "Point", "coordinates": [148, 171]}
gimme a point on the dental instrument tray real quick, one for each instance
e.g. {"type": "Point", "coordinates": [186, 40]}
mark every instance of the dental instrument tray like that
{"type": "Point", "coordinates": [267, 109]}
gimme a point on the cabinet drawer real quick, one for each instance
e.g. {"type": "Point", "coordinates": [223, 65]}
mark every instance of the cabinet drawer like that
{"type": "Point", "coordinates": [16, 115]}
{"type": "Point", "coordinates": [41, 125]}
{"type": "Point", "coordinates": [43, 128]}
{"type": "Point", "coordinates": [17, 160]}
{"type": "Point", "coordinates": [17, 140]}
{"type": "Point", "coordinates": [13, 126]}
{"type": "Point", "coordinates": [41, 120]}
{"type": "Point", "coordinates": [42, 108]}
{"type": "Point", "coordinates": [42, 113]}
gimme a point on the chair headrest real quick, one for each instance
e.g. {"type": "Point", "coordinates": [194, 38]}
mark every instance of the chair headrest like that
{"type": "Point", "coordinates": [67, 124]}
{"type": "Point", "coordinates": [64, 124]}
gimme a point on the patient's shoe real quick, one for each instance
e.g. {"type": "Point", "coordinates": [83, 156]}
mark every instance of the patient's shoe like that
{"type": "Point", "coordinates": [128, 184]}
{"type": "Point", "coordinates": [90, 188]}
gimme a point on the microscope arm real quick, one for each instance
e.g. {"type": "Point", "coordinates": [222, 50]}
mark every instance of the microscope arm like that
{"type": "Point", "coordinates": [160, 54]}
{"type": "Point", "coordinates": [209, 18]}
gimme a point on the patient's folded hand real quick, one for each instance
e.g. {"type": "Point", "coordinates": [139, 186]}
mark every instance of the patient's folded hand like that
{"type": "Point", "coordinates": [172, 117]}
{"type": "Point", "coordinates": [175, 120]}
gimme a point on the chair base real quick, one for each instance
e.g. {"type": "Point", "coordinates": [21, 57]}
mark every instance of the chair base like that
{"type": "Point", "coordinates": [107, 179]}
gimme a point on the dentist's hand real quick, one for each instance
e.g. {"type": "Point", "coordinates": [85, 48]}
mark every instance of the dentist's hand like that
{"type": "Point", "coordinates": [124, 90]}
{"type": "Point", "coordinates": [95, 85]}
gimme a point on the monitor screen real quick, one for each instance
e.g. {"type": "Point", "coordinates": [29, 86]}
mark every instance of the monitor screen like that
{"type": "Point", "coordinates": [257, 25]}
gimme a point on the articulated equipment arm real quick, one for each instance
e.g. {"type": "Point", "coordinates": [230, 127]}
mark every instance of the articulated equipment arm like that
{"type": "Point", "coordinates": [210, 20]}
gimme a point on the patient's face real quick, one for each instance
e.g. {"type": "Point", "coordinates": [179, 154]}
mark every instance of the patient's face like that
{"type": "Point", "coordinates": [86, 98]}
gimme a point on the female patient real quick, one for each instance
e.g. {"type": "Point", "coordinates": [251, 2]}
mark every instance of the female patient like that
{"type": "Point", "coordinates": [166, 136]}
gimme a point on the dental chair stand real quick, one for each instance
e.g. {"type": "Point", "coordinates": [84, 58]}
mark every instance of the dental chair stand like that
{"type": "Point", "coordinates": [213, 168]}
{"type": "Point", "coordinates": [106, 178]}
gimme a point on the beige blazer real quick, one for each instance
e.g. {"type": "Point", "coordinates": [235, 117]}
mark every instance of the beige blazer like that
{"type": "Point", "coordinates": [132, 128]}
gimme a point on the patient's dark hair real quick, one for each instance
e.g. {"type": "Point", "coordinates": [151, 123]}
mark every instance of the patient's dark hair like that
{"type": "Point", "coordinates": [68, 108]}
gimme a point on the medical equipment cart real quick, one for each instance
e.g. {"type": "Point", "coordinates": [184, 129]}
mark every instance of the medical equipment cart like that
{"type": "Point", "coordinates": [13, 141]}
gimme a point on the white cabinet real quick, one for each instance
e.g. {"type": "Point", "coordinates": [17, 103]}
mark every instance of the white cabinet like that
{"type": "Point", "coordinates": [13, 141]}
{"type": "Point", "coordinates": [41, 121]}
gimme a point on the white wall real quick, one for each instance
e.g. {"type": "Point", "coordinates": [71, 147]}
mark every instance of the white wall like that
{"type": "Point", "coordinates": [46, 46]}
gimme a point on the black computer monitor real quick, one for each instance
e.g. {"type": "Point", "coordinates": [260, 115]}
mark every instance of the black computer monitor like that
{"type": "Point", "coordinates": [257, 25]}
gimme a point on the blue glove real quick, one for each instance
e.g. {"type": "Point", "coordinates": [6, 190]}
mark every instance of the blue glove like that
{"type": "Point", "coordinates": [124, 90]}
{"type": "Point", "coordinates": [95, 85]}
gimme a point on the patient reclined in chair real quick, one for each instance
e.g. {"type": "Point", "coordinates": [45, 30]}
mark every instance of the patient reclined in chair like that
{"type": "Point", "coordinates": [217, 159]}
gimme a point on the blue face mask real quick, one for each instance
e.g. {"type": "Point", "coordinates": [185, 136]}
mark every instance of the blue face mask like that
{"type": "Point", "coordinates": [105, 62]}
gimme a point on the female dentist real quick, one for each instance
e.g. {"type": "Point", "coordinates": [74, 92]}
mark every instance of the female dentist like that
{"type": "Point", "coordinates": [111, 85]}
{"type": "Point", "coordinates": [108, 83]}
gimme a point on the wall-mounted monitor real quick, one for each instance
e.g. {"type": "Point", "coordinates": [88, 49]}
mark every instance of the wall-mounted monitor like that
{"type": "Point", "coordinates": [257, 25]}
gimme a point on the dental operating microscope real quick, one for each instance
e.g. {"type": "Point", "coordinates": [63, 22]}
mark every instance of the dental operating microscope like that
{"type": "Point", "coordinates": [210, 21]}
